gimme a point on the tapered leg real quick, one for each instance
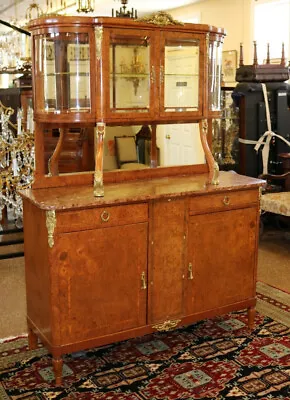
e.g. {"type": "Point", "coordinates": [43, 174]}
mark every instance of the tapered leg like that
{"type": "Point", "coordinates": [32, 339]}
{"type": "Point", "coordinates": [251, 317]}
{"type": "Point", "coordinates": [57, 363]}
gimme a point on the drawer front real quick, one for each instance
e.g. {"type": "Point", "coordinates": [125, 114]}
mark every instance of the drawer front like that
{"type": "Point", "coordinates": [71, 221]}
{"type": "Point", "coordinates": [222, 201]}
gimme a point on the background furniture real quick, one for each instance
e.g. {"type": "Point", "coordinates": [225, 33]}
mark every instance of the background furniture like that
{"type": "Point", "coordinates": [276, 197]}
{"type": "Point", "coordinates": [249, 98]}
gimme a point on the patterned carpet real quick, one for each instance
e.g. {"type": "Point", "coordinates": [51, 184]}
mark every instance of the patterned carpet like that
{"type": "Point", "coordinates": [212, 359]}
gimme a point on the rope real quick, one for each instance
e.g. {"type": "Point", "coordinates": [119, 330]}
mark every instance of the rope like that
{"type": "Point", "coordinates": [267, 136]}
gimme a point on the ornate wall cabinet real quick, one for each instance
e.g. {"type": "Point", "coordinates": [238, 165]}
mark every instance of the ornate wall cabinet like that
{"type": "Point", "coordinates": [148, 254]}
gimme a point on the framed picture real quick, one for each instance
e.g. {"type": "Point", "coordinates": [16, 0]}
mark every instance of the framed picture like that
{"type": "Point", "coordinates": [229, 65]}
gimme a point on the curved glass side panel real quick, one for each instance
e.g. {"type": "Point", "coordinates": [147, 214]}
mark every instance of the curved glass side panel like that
{"type": "Point", "coordinates": [214, 78]}
{"type": "Point", "coordinates": [181, 75]}
{"type": "Point", "coordinates": [129, 74]}
{"type": "Point", "coordinates": [62, 72]}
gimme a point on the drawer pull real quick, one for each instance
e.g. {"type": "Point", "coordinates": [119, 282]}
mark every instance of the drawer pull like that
{"type": "Point", "coordinates": [226, 200]}
{"type": "Point", "coordinates": [105, 216]}
{"type": "Point", "coordinates": [190, 274]}
{"type": "Point", "coordinates": [143, 281]}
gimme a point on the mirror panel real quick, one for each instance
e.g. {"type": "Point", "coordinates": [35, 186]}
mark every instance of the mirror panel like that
{"type": "Point", "coordinates": [126, 147]}
{"type": "Point", "coordinates": [77, 152]}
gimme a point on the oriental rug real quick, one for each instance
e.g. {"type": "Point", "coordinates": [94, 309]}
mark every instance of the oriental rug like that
{"type": "Point", "coordinates": [213, 359]}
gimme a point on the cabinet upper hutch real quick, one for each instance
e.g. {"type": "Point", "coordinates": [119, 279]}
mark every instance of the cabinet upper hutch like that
{"type": "Point", "coordinates": [119, 71]}
{"type": "Point", "coordinates": [110, 69]}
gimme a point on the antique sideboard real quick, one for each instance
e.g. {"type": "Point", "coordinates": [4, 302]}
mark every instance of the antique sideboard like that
{"type": "Point", "coordinates": [112, 255]}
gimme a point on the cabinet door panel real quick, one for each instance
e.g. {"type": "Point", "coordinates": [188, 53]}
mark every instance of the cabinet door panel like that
{"type": "Point", "coordinates": [167, 266]}
{"type": "Point", "coordinates": [132, 74]}
{"type": "Point", "coordinates": [100, 281]}
{"type": "Point", "coordinates": [222, 250]}
{"type": "Point", "coordinates": [181, 74]}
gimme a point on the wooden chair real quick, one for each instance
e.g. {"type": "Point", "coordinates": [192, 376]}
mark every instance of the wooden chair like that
{"type": "Point", "coordinates": [277, 201]}
{"type": "Point", "coordinates": [126, 153]}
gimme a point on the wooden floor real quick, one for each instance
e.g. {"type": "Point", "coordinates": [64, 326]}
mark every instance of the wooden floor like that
{"type": "Point", "coordinates": [273, 269]}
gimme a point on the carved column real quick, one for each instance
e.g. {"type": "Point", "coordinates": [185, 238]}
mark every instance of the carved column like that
{"type": "Point", "coordinates": [99, 156]}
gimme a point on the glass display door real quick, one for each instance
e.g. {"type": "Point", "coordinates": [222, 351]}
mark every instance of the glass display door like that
{"type": "Point", "coordinates": [131, 73]}
{"type": "Point", "coordinates": [181, 74]}
{"type": "Point", "coordinates": [62, 73]}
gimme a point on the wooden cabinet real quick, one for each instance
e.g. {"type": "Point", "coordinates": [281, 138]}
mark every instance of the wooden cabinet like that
{"type": "Point", "coordinates": [160, 247]}
{"type": "Point", "coordinates": [147, 257]}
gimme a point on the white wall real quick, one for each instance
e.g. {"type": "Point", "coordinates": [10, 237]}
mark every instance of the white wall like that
{"type": "Point", "coordinates": [235, 16]}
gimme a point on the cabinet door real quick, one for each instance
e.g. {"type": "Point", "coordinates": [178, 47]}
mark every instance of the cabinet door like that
{"type": "Point", "coordinates": [62, 75]}
{"type": "Point", "coordinates": [101, 281]}
{"type": "Point", "coordinates": [128, 67]}
{"type": "Point", "coordinates": [222, 253]}
{"type": "Point", "coordinates": [166, 275]}
{"type": "Point", "coordinates": [181, 74]}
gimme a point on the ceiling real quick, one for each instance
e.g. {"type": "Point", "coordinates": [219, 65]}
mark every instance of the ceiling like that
{"type": "Point", "coordinates": [15, 11]}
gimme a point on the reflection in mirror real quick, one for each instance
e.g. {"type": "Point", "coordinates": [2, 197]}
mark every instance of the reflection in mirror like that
{"type": "Point", "coordinates": [127, 147]}
{"type": "Point", "coordinates": [179, 144]}
{"type": "Point", "coordinates": [76, 153]}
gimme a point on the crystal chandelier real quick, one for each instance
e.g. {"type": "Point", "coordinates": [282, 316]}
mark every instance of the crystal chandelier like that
{"type": "Point", "coordinates": [85, 6]}
{"type": "Point", "coordinates": [123, 12]}
{"type": "Point", "coordinates": [16, 160]}
{"type": "Point", "coordinates": [134, 72]}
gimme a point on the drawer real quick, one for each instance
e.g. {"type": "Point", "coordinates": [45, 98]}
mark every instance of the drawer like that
{"type": "Point", "coordinates": [223, 201]}
{"type": "Point", "coordinates": [71, 221]}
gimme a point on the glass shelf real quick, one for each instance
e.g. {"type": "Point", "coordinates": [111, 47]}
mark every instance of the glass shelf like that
{"type": "Point", "coordinates": [121, 75]}
{"type": "Point", "coordinates": [182, 75]}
